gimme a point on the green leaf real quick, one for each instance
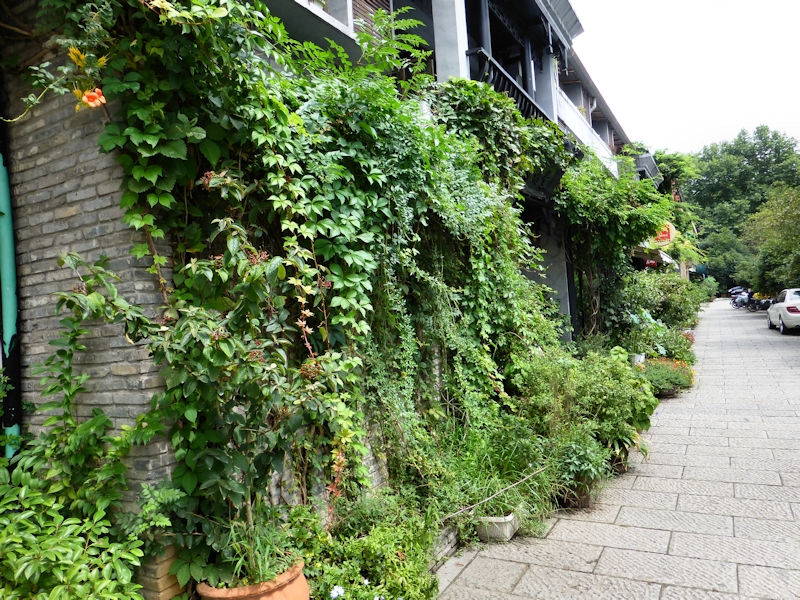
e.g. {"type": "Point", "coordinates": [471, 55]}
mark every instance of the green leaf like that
{"type": "Point", "coordinates": [112, 138]}
{"type": "Point", "coordinates": [211, 151]}
{"type": "Point", "coordinates": [183, 573]}
{"type": "Point", "coordinates": [227, 347]}
{"type": "Point", "coordinates": [173, 149]}
{"type": "Point", "coordinates": [189, 482]}
{"type": "Point", "coordinates": [191, 414]}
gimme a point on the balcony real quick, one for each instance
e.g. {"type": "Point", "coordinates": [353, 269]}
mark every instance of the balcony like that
{"type": "Point", "coordinates": [318, 21]}
{"type": "Point", "coordinates": [577, 124]}
{"type": "Point", "coordinates": [489, 71]}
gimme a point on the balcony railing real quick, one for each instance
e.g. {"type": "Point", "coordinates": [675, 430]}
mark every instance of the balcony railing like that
{"type": "Point", "coordinates": [490, 71]}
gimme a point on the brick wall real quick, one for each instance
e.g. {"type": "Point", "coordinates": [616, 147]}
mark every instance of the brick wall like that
{"type": "Point", "coordinates": [65, 195]}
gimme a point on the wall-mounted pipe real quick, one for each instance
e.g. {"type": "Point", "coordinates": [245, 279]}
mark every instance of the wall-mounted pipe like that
{"type": "Point", "coordinates": [9, 349]}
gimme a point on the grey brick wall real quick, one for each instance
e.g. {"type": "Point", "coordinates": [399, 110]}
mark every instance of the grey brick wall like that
{"type": "Point", "coordinates": [65, 198]}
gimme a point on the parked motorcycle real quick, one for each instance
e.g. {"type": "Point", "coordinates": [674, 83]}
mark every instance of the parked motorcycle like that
{"type": "Point", "coordinates": [739, 300]}
{"type": "Point", "coordinates": [754, 305]}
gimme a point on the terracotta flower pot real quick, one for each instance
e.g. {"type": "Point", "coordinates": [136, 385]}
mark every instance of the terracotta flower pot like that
{"type": "Point", "coordinates": [289, 585]}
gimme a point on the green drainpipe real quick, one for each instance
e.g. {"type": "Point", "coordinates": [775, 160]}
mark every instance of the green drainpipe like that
{"type": "Point", "coordinates": [9, 351]}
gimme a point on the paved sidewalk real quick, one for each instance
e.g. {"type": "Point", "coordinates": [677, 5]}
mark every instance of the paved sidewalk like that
{"type": "Point", "coordinates": [713, 514]}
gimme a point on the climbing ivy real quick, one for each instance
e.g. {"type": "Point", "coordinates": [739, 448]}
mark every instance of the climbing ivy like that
{"type": "Point", "coordinates": [346, 253]}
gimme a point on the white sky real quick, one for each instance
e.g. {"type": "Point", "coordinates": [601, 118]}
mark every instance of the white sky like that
{"type": "Point", "coordinates": [680, 74]}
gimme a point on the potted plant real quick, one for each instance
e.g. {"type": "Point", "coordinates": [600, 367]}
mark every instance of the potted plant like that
{"type": "Point", "coordinates": [497, 529]}
{"type": "Point", "coordinates": [643, 328]}
{"type": "Point", "coordinates": [667, 376]}
{"type": "Point", "coordinates": [238, 409]}
{"type": "Point", "coordinates": [257, 564]}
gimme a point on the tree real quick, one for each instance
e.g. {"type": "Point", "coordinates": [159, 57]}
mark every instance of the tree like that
{"type": "Point", "coordinates": [733, 181]}
{"type": "Point", "coordinates": [608, 215]}
{"type": "Point", "coordinates": [773, 232]}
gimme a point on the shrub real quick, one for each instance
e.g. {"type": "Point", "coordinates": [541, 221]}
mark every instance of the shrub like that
{"type": "Point", "coordinates": [376, 546]}
{"type": "Point", "coordinates": [605, 391]}
{"type": "Point", "coordinates": [709, 288]}
{"type": "Point", "coordinates": [666, 295]}
{"type": "Point", "coordinates": [677, 345]}
{"type": "Point", "coordinates": [581, 461]}
{"type": "Point", "coordinates": [485, 462]}
{"type": "Point", "coordinates": [47, 552]}
{"type": "Point", "coordinates": [601, 390]}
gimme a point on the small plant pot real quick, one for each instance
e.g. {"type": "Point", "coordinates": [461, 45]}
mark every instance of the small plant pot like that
{"type": "Point", "coordinates": [638, 358]}
{"type": "Point", "coordinates": [667, 393]}
{"type": "Point", "coordinates": [289, 585]}
{"type": "Point", "coordinates": [497, 529]}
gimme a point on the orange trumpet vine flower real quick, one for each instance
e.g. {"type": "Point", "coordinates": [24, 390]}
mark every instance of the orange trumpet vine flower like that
{"type": "Point", "coordinates": [94, 98]}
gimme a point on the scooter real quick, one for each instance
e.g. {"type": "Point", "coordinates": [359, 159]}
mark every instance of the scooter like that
{"type": "Point", "coordinates": [754, 305]}
{"type": "Point", "coordinates": [740, 300]}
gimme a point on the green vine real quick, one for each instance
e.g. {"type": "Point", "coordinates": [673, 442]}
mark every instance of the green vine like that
{"type": "Point", "coordinates": [346, 251]}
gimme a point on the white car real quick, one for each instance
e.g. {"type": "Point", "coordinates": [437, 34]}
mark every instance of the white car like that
{"type": "Point", "coordinates": [785, 311]}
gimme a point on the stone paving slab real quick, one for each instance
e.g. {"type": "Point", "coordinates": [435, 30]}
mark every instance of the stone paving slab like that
{"type": "Point", "coordinates": [601, 513]}
{"type": "Point", "coordinates": [787, 455]}
{"type": "Point", "coordinates": [542, 583]}
{"type": "Point", "coordinates": [662, 568]}
{"type": "Point", "coordinates": [732, 475]}
{"type": "Point", "coordinates": [767, 492]}
{"type": "Point", "coordinates": [647, 469]}
{"type": "Point", "coordinates": [555, 553]}
{"type": "Point", "coordinates": [768, 582]}
{"type": "Point", "coordinates": [677, 593]}
{"type": "Point", "coordinates": [611, 536]}
{"type": "Point", "coordinates": [673, 520]}
{"type": "Point", "coordinates": [791, 479]}
{"type": "Point", "coordinates": [490, 574]}
{"type": "Point", "coordinates": [731, 451]}
{"type": "Point", "coordinates": [712, 513]}
{"type": "Point", "coordinates": [765, 553]}
{"type": "Point", "coordinates": [640, 498]}
{"type": "Point", "coordinates": [737, 507]}
{"type": "Point", "coordinates": [763, 529]}
{"type": "Point", "coordinates": [684, 486]}
{"type": "Point", "coordinates": [702, 460]}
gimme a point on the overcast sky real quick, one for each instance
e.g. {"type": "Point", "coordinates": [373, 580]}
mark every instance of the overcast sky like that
{"type": "Point", "coordinates": [680, 74]}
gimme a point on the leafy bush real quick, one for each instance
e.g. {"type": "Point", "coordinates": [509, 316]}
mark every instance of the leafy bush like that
{"type": "Point", "coordinates": [677, 345]}
{"type": "Point", "coordinates": [485, 462]}
{"type": "Point", "coordinates": [58, 536]}
{"type": "Point", "coordinates": [604, 391]}
{"type": "Point", "coordinates": [377, 546]}
{"type": "Point", "coordinates": [665, 374]}
{"type": "Point", "coordinates": [709, 288]}
{"type": "Point", "coordinates": [47, 552]}
{"type": "Point", "coordinates": [581, 462]}
{"type": "Point", "coordinates": [601, 390]}
{"type": "Point", "coordinates": [668, 297]}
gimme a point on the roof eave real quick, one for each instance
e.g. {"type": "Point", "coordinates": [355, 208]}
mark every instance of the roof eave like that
{"type": "Point", "coordinates": [563, 18]}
